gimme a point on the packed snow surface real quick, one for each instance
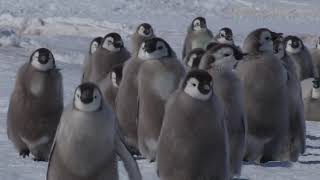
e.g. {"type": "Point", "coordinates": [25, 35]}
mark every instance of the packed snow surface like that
{"type": "Point", "coordinates": [67, 26]}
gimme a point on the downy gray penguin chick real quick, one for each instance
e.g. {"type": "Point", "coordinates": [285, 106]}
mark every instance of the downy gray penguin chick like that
{"type": "Point", "coordinates": [311, 91]}
{"type": "Point", "coordinates": [86, 143]}
{"type": "Point", "coordinates": [193, 143]}
{"type": "Point", "coordinates": [264, 80]}
{"type": "Point", "coordinates": [198, 36]}
{"type": "Point", "coordinates": [300, 54]}
{"type": "Point", "coordinates": [192, 60]}
{"type": "Point", "coordinates": [315, 54]}
{"type": "Point", "coordinates": [159, 75]}
{"type": "Point", "coordinates": [111, 53]}
{"type": "Point", "coordinates": [296, 109]}
{"type": "Point", "coordinates": [35, 106]}
{"type": "Point", "coordinates": [219, 62]}
{"type": "Point", "coordinates": [143, 32]}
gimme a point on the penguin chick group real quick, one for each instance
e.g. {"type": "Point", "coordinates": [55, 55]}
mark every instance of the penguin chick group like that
{"type": "Point", "coordinates": [197, 118]}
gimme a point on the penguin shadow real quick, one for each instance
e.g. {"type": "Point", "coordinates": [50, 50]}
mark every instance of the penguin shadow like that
{"type": "Point", "coordinates": [240, 179]}
{"type": "Point", "coordinates": [271, 164]}
{"type": "Point", "coordinates": [312, 147]}
{"type": "Point", "coordinates": [313, 138]}
{"type": "Point", "coordinates": [309, 162]}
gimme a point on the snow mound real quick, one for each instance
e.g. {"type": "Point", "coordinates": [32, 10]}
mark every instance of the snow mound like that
{"type": "Point", "coordinates": [8, 37]}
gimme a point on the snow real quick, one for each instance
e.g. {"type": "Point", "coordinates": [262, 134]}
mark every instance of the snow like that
{"type": "Point", "coordinates": [67, 26]}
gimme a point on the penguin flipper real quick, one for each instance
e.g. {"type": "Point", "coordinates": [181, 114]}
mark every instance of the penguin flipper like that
{"type": "Point", "coordinates": [129, 163]}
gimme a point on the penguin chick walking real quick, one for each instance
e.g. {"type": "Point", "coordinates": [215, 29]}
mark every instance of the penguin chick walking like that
{"type": "Point", "coordinates": [198, 36]}
{"type": "Point", "coordinates": [219, 62]}
{"type": "Point", "coordinates": [86, 143]}
{"type": "Point", "coordinates": [159, 75]}
{"type": "Point", "coordinates": [143, 32]}
{"type": "Point", "coordinates": [193, 143]}
{"type": "Point", "coordinates": [95, 43]}
{"type": "Point", "coordinates": [192, 60]}
{"type": "Point", "coordinates": [266, 102]}
{"type": "Point", "coordinates": [35, 106]}
{"type": "Point", "coordinates": [297, 129]}
{"type": "Point", "coordinates": [111, 53]}
{"type": "Point", "coordinates": [300, 54]}
{"type": "Point", "coordinates": [110, 86]}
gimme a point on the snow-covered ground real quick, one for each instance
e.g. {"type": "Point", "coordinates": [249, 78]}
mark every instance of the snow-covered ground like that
{"type": "Point", "coordinates": [67, 26]}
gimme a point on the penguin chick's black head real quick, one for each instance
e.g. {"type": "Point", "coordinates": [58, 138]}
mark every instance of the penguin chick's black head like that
{"type": "Point", "coordinates": [193, 59]}
{"type": "Point", "coordinates": [145, 29]}
{"type": "Point", "coordinates": [199, 23]}
{"type": "Point", "coordinates": [199, 80]}
{"type": "Point", "coordinates": [113, 39]}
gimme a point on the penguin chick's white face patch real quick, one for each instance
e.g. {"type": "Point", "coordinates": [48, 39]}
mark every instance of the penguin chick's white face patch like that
{"type": "Point", "coordinates": [192, 89]}
{"type": "Point", "coordinates": [114, 79]}
{"type": "Point", "coordinates": [143, 32]}
{"type": "Point", "coordinates": [94, 47]}
{"type": "Point", "coordinates": [224, 54]}
{"type": "Point", "coordinates": [191, 59]}
{"type": "Point", "coordinates": [197, 25]}
{"type": "Point", "coordinates": [266, 43]}
{"type": "Point", "coordinates": [315, 93]}
{"type": "Point", "coordinates": [292, 50]}
{"type": "Point", "coordinates": [42, 63]}
{"type": "Point", "coordinates": [160, 52]}
{"type": "Point", "coordinates": [92, 106]}
{"type": "Point", "coordinates": [109, 45]}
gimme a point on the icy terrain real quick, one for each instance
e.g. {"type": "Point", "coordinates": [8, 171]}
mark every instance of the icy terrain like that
{"type": "Point", "coordinates": [67, 26]}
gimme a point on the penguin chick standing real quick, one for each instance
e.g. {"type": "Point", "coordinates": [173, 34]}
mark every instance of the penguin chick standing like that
{"type": "Point", "coordinates": [297, 121]}
{"type": "Point", "coordinates": [198, 36]}
{"type": "Point", "coordinates": [35, 106]}
{"type": "Point", "coordinates": [95, 43]}
{"type": "Point", "coordinates": [300, 54]}
{"type": "Point", "coordinates": [110, 86]}
{"type": "Point", "coordinates": [159, 75]}
{"type": "Point", "coordinates": [143, 32]}
{"type": "Point", "coordinates": [193, 143]}
{"type": "Point", "coordinates": [311, 88]}
{"type": "Point", "coordinates": [315, 54]}
{"type": "Point", "coordinates": [219, 62]}
{"type": "Point", "coordinates": [192, 60]}
{"type": "Point", "coordinates": [264, 80]}
{"type": "Point", "coordinates": [111, 53]}
{"type": "Point", "coordinates": [86, 143]}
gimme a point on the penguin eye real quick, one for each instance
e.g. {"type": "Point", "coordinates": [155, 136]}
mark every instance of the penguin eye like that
{"type": "Point", "coordinates": [267, 38]}
{"type": "Point", "coordinates": [226, 55]}
{"type": "Point", "coordinates": [78, 95]}
{"type": "Point", "coordinates": [160, 47]}
{"type": "Point", "coordinates": [95, 97]}
{"type": "Point", "coordinates": [194, 84]}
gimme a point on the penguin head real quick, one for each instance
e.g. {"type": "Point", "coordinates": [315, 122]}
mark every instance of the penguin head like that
{"type": "Point", "coordinates": [42, 60]}
{"type": "Point", "coordinates": [225, 36]}
{"type": "Point", "coordinates": [293, 44]}
{"type": "Point", "coordinates": [155, 48]}
{"type": "Point", "coordinates": [145, 30]}
{"type": "Point", "coordinates": [199, 24]}
{"type": "Point", "coordinates": [198, 84]}
{"type": "Point", "coordinates": [224, 54]}
{"type": "Point", "coordinates": [260, 41]}
{"type": "Point", "coordinates": [95, 43]}
{"type": "Point", "coordinates": [192, 60]}
{"type": "Point", "coordinates": [116, 75]}
{"type": "Point", "coordinates": [112, 42]}
{"type": "Point", "coordinates": [278, 49]}
{"type": "Point", "coordinates": [88, 98]}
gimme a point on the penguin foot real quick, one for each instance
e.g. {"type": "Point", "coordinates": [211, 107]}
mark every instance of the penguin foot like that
{"type": "Point", "coordinates": [39, 159]}
{"type": "Point", "coordinates": [265, 159]}
{"type": "Point", "coordinates": [24, 153]}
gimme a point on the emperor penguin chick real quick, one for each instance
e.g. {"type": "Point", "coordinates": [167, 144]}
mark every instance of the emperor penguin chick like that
{"type": "Point", "coordinates": [110, 85]}
{"type": "Point", "coordinates": [86, 143]}
{"type": "Point", "coordinates": [111, 53]}
{"type": "Point", "coordinates": [219, 62]}
{"type": "Point", "coordinates": [225, 36]}
{"type": "Point", "coordinates": [143, 32]}
{"type": "Point", "coordinates": [315, 54]}
{"type": "Point", "coordinates": [35, 106]}
{"type": "Point", "coordinates": [264, 79]}
{"type": "Point", "coordinates": [300, 54]}
{"type": "Point", "coordinates": [192, 60]}
{"type": "Point", "coordinates": [159, 75]}
{"type": "Point", "coordinates": [296, 109]}
{"type": "Point", "coordinates": [311, 99]}
{"type": "Point", "coordinates": [198, 36]}
{"type": "Point", "coordinates": [95, 43]}
{"type": "Point", "coordinates": [193, 143]}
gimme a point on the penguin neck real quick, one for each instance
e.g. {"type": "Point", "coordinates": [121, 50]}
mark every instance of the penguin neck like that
{"type": "Point", "coordinates": [315, 93]}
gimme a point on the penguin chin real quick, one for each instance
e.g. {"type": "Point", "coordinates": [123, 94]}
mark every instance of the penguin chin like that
{"type": "Point", "coordinates": [91, 107]}
{"type": "Point", "coordinates": [195, 93]}
{"type": "Point", "coordinates": [149, 56]}
{"type": "Point", "coordinates": [291, 50]}
{"type": "Point", "coordinates": [225, 41]}
{"type": "Point", "coordinates": [315, 93]}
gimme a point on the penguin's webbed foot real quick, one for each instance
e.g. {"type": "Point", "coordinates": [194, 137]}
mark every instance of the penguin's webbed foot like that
{"type": "Point", "coordinates": [24, 153]}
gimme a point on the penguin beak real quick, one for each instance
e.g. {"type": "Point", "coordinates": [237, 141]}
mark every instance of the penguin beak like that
{"type": "Point", "coordinates": [295, 44]}
{"type": "Point", "coordinates": [204, 89]}
{"type": "Point", "coordinates": [118, 44]}
{"type": "Point", "coordinates": [43, 59]}
{"type": "Point", "coordinates": [86, 96]}
{"type": "Point", "coordinates": [229, 38]}
{"type": "Point", "coordinates": [150, 47]}
{"type": "Point", "coordinates": [146, 31]}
